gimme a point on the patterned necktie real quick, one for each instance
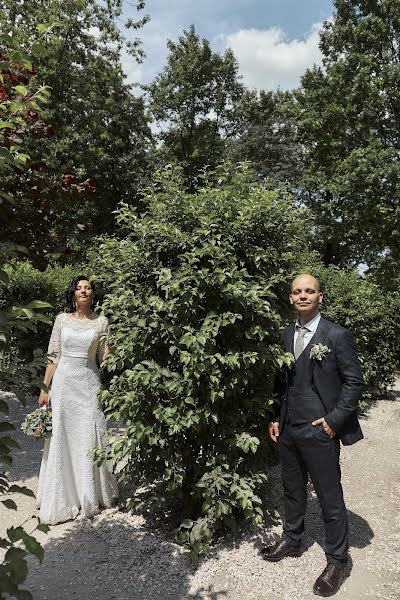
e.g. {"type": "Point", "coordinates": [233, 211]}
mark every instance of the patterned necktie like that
{"type": "Point", "coordinates": [299, 346]}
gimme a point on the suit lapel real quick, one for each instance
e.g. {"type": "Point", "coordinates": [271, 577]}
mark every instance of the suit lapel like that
{"type": "Point", "coordinates": [319, 336]}
{"type": "Point", "coordinates": [288, 338]}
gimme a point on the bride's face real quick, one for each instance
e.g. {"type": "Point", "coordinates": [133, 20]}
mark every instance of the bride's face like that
{"type": "Point", "coordinates": [83, 294]}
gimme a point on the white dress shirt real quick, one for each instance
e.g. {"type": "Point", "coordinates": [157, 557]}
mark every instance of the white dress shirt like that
{"type": "Point", "coordinates": [312, 328]}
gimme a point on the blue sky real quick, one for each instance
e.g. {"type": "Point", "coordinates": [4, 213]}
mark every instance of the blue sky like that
{"type": "Point", "coordinates": [273, 40]}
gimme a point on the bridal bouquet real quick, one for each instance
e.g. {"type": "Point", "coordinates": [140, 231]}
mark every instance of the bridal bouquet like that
{"type": "Point", "coordinates": [38, 423]}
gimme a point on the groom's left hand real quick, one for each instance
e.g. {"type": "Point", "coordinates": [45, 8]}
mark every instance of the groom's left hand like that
{"type": "Point", "coordinates": [325, 425]}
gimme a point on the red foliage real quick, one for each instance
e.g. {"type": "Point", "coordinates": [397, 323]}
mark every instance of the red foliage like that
{"type": "Point", "coordinates": [40, 166]}
{"type": "Point", "coordinates": [33, 114]}
{"type": "Point", "coordinates": [40, 211]}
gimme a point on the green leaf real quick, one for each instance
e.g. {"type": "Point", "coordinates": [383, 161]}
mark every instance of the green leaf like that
{"type": "Point", "coordinates": [8, 197]}
{"type": "Point", "coordinates": [42, 318]}
{"type": "Point", "coordinates": [16, 533]}
{"type": "Point", "coordinates": [39, 304]}
{"type": "Point", "coordinates": [18, 570]}
{"type": "Point", "coordinates": [4, 407]}
{"type": "Point", "coordinates": [9, 442]}
{"type": "Point", "coordinates": [3, 338]}
{"type": "Point", "coordinates": [21, 490]}
{"type": "Point", "coordinates": [7, 125]}
{"type": "Point", "coordinates": [8, 40]}
{"type": "Point", "coordinates": [7, 586]}
{"type": "Point", "coordinates": [43, 527]}
{"type": "Point", "coordinates": [23, 595]}
{"type": "Point", "coordinates": [5, 426]}
{"type": "Point", "coordinates": [4, 278]}
{"type": "Point", "coordinates": [34, 547]}
{"type": "Point", "coordinates": [21, 58]}
{"type": "Point", "coordinates": [42, 28]}
{"type": "Point", "coordinates": [9, 504]}
{"type": "Point", "coordinates": [187, 523]}
{"type": "Point", "coordinates": [14, 553]}
{"type": "Point", "coordinates": [6, 155]}
{"type": "Point", "coordinates": [17, 107]}
{"type": "Point", "coordinates": [38, 49]}
{"type": "Point", "coordinates": [21, 90]}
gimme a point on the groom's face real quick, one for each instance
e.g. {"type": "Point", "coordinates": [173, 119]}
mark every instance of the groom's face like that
{"type": "Point", "coordinates": [305, 296]}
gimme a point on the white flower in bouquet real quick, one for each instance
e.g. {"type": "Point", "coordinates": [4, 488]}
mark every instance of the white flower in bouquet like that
{"type": "Point", "coordinates": [38, 423]}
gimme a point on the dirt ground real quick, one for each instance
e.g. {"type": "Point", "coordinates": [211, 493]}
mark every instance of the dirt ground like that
{"type": "Point", "coordinates": [123, 557]}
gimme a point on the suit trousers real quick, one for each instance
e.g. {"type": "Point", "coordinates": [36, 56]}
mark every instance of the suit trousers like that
{"type": "Point", "coordinates": [308, 450]}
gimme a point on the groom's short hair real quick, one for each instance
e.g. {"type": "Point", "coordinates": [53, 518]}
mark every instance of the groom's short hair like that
{"type": "Point", "coordinates": [316, 277]}
{"type": "Point", "coordinates": [318, 280]}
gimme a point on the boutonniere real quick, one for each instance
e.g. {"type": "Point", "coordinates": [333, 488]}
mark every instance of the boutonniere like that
{"type": "Point", "coordinates": [319, 351]}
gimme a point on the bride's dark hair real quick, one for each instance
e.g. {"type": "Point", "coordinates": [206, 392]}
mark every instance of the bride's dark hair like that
{"type": "Point", "coordinates": [70, 292]}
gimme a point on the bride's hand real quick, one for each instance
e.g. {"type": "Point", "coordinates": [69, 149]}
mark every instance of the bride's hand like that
{"type": "Point", "coordinates": [43, 399]}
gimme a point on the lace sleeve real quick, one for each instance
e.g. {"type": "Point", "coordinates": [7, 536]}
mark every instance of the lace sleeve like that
{"type": "Point", "coordinates": [103, 346]}
{"type": "Point", "coordinates": [54, 350]}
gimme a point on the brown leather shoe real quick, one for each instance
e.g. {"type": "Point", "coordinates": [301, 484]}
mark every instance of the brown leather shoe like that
{"type": "Point", "coordinates": [279, 550]}
{"type": "Point", "coordinates": [329, 582]}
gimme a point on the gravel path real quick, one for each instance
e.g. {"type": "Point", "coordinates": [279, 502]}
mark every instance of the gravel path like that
{"type": "Point", "coordinates": [118, 556]}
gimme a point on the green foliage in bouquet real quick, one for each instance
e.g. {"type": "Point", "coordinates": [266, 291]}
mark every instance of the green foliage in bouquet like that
{"type": "Point", "coordinates": [196, 306]}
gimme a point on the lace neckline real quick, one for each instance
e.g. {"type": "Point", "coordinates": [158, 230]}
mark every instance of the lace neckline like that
{"type": "Point", "coordinates": [82, 323]}
{"type": "Point", "coordinates": [71, 317]}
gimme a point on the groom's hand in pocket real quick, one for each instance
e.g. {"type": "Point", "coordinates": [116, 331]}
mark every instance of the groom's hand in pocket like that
{"type": "Point", "coordinates": [325, 425]}
{"type": "Point", "coordinates": [273, 431]}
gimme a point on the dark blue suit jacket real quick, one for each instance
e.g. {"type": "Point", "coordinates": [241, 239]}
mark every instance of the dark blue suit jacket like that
{"type": "Point", "coordinates": [337, 379]}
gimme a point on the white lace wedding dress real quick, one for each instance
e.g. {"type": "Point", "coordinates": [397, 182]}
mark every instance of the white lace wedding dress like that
{"type": "Point", "coordinates": [69, 481]}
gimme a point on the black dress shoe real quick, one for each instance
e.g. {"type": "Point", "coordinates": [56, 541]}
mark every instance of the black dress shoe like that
{"type": "Point", "coordinates": [279, 550]}
{"type": "Point", "coordinates": [329, 582]}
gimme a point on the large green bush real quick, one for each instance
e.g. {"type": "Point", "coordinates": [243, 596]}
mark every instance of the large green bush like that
{"type": "Point", "coordinates": [196, 303]}
{"type": "Point", "coordinates": [373, 316]}
{"type": "Point", "coordinates": [27, 284]}
{"type": "Point", "coordinates": [370, 312]}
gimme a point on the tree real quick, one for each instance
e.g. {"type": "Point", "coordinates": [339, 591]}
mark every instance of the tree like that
{"type": "Point", "coordinates": [348, 113]}
{"type": "Point", "coordinates": [36, 210]}
{"type": "Point", "coordinates": [101, 128]}
{"type": "Point", "coordinates": [196, 301]}
{"type": "Point", "coordinates": [268, 138]}
{"type": "Point", "coordinates": [21, 202]}
{"type": "Point", "coordinates": [198, 102]}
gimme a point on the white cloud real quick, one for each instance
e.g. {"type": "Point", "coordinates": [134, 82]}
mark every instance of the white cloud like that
{"type": "Point", "coordinates": [268, 60]}
{"type": "Point", "coordinates": [132, 70]}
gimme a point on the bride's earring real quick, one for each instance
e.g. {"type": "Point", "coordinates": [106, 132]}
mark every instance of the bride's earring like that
{"type": "Point", "coordinates": [73, 304]}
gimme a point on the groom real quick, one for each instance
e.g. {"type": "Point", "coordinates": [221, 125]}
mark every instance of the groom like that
{"type": "Point", "coordinates": [319, 397]}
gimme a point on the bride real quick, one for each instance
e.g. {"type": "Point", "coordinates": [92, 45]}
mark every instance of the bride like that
{"type": "Point", "coordinates": [69, 481]}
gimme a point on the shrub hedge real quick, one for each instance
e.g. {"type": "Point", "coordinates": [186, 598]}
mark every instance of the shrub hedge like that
{"type": "Point", "coordinates": [26, 284]}
{"type": "Point", "coordinates": [196, 302]}
{"type": "Point", "coordinates": [373, 316]}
